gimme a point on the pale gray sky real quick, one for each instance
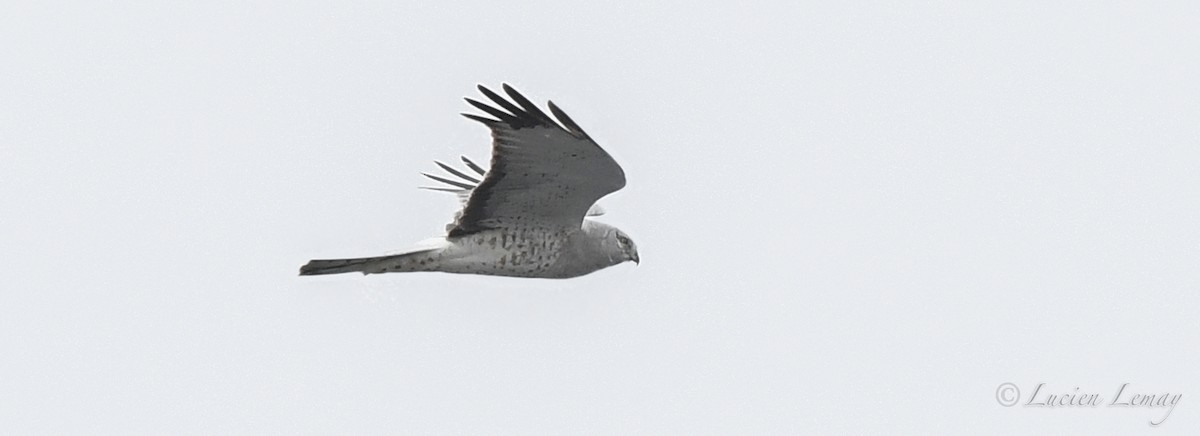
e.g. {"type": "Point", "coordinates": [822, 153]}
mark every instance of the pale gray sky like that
{"type": "Point", "coordinates": [852, 218]}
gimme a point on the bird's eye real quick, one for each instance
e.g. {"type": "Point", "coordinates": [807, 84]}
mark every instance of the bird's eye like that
{"type": "Point", "coordinates": [622, 240]}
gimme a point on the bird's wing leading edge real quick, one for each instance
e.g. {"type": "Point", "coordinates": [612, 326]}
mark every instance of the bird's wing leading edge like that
{"type": "Point", "coordinates": [543, 174]}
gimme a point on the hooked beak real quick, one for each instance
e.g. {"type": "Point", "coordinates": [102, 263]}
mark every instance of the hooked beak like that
{"type": "Point", "coordinates": [635, 258]}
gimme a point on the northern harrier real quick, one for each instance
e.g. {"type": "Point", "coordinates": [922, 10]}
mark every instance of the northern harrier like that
{"type": "Point", "coordinates": [526, 216]}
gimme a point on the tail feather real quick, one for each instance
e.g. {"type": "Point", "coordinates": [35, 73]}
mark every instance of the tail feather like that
{"type": "Point", "coordinates": [405, 262]}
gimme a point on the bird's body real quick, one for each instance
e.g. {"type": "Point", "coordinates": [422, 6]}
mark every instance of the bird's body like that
{"type": "Point", "coordinates": [542, 253]}
{"type": "Point", "coordinates": [526, 216]}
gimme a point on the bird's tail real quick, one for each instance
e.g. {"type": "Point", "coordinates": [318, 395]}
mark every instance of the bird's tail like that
{"type": "Point", "coordinates": [416, 260]}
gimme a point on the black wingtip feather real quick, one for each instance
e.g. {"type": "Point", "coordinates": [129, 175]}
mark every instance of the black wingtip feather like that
{"type": "Point", "coordinates": [565, 120]}
{"type": "Point", "coordinates": [521, 114]}
{"type": "Point", "coordinates": [458, 173]}
{"type": "Point", "coordinates": [484, 120]}
{"type": "Point", "coordinates": [527, 105]}
{"type": "Point", "coordinates": [452, 190]}
{"type": "Point", "coordinates": [448, 181]}
{"type": "Point", "coordinates": [504, 103]}
{"type": "Point", "coordinates": [497, 113]}
{"type": "Point", "coordinates": [473, 166]}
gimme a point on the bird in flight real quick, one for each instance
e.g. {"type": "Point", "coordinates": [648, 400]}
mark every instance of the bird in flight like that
{"type": "Point", "coordinates": [526, 216]}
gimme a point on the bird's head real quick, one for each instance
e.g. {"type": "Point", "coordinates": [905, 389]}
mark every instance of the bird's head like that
{"type": "Point", "coordinates": [614, 244]}
{"type": "Point", "coordinates": [626, 246]}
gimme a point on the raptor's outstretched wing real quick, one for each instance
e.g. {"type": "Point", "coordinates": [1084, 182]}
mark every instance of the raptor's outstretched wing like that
{"type": "Point", "coordinates": [543, 174]}
{"type": "Point", "coordinates": [461, 182]}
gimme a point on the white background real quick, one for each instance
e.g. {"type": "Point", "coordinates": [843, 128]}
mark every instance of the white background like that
{"type": "Point", "coordinates": [852, 218]}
